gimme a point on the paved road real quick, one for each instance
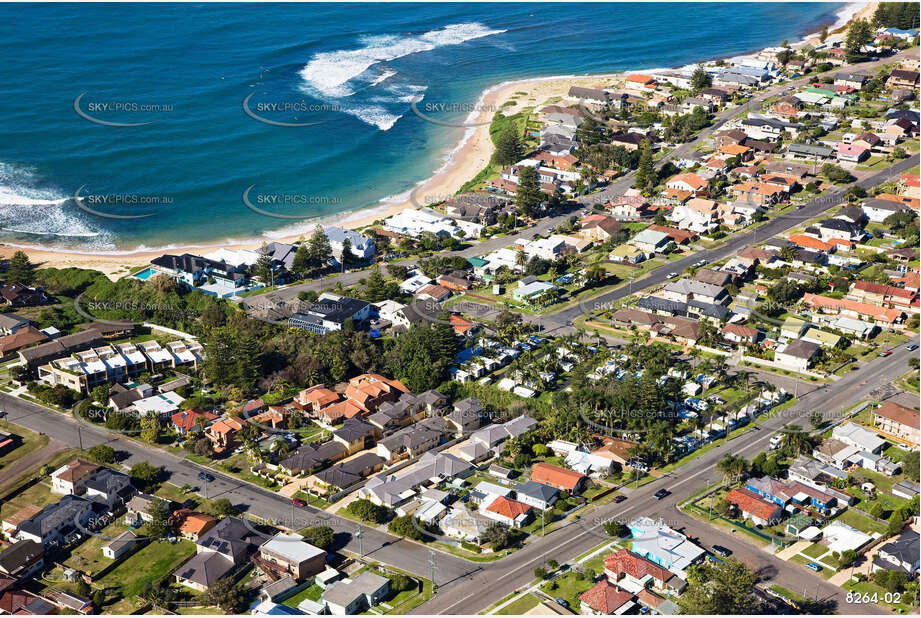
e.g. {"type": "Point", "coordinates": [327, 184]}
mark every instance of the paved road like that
{"type": "Point", "coordinates": [262, 503]}
{"type": "Point", "coordinates": [480, 590]}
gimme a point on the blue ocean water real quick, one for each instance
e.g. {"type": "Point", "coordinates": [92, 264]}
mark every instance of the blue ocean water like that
{"type": "Point", "coordinates": [346, 71]}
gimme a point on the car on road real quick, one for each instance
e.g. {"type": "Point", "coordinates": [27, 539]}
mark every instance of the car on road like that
{"type": "Point", "coordinates": [298, 502]}
{"type": "Point", "coordinates": [619, 499]}
{"type": "Point", "coordinates": [812, 566]}
{"type": "Point", "coordinates": [911, 347]}
{"type": "Point", "coordinates": [671, 275]}
{"type": "Point", "coordinates": [885, 353]}
{"type": "Point", "coordinates": [2, 413]}
{"type": "Point", "coordinates": [719, 550]}
{"type": "Point", "coordinates": [660, 494]}
{"type": "Point", "coordinates": [205, 477]}
{"type": "Point", "coordinates": [563, 602]}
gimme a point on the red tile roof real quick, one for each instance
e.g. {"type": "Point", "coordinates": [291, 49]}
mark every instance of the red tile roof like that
{"type": "Point", "coordinates": [899, 414]}
{"type": "Point", "coordinates": [634, 565]}
{"type": "Point", "coordinates": [884, 290]}
{"type": "Point", "coordinates": [555, 476]}
{"type": "Point", "coordinates": [605, 598]}
{"type": "Point", "coordinates": [187, 420]}
{"type": "Point", "coordinates": [809, 242]}
{"type": "Point", "coordinates": [749, 502]}
{"type": "Point", "coordinates": [508, 508]}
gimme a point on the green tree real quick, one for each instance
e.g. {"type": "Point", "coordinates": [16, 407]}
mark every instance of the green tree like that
{"type": "Point", "coordinates": [302, 261]}
{"type": "Point", "coordinates": [100, 394]}
{"type": "Point", "coordinates": [528, 195]}
{"type": "Point", "coordinates": [263, 266]}
{"type": "Point", "coordinates": [615, 529]}
{"type": "Point", "coordinates": [509, 148]}
{"type": "Point", "coordinates": [21, 269]}
{"type": "Point", "coordinates": [228, 595]}
{"type": "Point", "coordinates": [102, 453]}
{"type": "Point", "coordinates": [221, 508]}
{"type": "Point", "coordinates": [160, 512]}
{"type": "Point", "coordinates": [645, 179]}
{"type": "Point", "coordinates": [144, 475]}
{"type": "Point", "coordinates": [406, 526]}
{"type": "Point", "coordinates": [150, 427]}
{"type": "Point", "coordinates": [719, 588]}
{"type": "Point", "coordinates": [700, 79]}
{"type": "Point", "coordinates": [366, 510]}
{"type": "Point", "coordinates": [318, 248]}
{"type": "Point", "coordinates": [824, 34]}
{"type": "Point", "coordinates": [859, 33]}
{"type": "Point", "coordinates": [319, 536]}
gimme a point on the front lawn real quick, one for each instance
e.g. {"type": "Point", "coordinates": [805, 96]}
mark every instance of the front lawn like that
{"type": "Point", "coordinates": [519, 606]}
{"type": "Point", "coordinates": [153, 562]}
{"type": "Point", "coordinates": [569, 587]}
{"type": "Point", "coordinates": [87, 557]}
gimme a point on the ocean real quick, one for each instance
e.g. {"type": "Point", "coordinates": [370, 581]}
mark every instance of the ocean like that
{"type": "Point", "coordinates": [139, 126]}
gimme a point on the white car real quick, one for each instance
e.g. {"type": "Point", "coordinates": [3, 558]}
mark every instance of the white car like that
{"type": "Point", "coordinates": [671, 275]}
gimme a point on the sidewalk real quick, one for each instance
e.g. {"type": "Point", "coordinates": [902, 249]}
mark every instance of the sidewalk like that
{"type": "Point", "coordinates": [788, 552]}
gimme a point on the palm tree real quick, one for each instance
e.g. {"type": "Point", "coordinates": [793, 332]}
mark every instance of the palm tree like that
{"type": "Point", "coordinates": [731, 466]}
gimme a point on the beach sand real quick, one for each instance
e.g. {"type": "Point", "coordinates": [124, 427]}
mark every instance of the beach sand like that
{"type": "Point", "coordinates": [468, 159]}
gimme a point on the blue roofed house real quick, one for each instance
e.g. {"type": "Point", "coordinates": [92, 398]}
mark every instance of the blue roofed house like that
{"type": "Point", "coordinates": [660, 544]}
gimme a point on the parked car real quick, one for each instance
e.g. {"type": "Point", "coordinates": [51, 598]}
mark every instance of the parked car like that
{"type": "Point", "coordinates": [660, 494]}
{"type": "Point", "coordinates": [812, 566]}
{"type": "Point", "coordinates": [885, 353]}
{"type": "Point", "coordinates": [298, 502]}
{"type": "Point", "coordinates": [562, 602]}
{"type": "Point", "coordinates": [722, 551]}
{"type": "Point", "coordinates": [911, 347]}
{"type": "Point", "coordinates": [619, 499]}
{"type": "Point", "coordinates": [671, 275]}
{"type": "Point", "coordinates": [205, 477]}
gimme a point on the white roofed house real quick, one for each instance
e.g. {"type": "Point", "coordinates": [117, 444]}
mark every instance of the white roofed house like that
{"type": "Point", "coordinates": [413, 222]}
{"type": "Point", "coordinates": [362, 246]}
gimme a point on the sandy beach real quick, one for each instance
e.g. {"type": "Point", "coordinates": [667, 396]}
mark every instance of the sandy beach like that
{"type": "Point", "coordinates": [470, 156]}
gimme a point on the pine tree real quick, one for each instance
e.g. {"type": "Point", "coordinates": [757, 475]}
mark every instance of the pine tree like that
{"type": "Point", "coordinates": [528, 195]}
{"type": "Point", "coordinates": [21, 269]}
{"type": "Point", "coordinates": [347, 258]}
{"type": "Point", "coordinates": [700, 79]}
{"type": "Point", "coordinates": [301, 264]}
{"type": "Point", "coordinates": [248, 361]}
{"type": "Point", "coordinates": [508, 147]}
{"type": "Point", "coordinates": [645, 174]}
{"type": "Point", "coordinates": [319, 249]}
{"type": "Point", "coordinates": [263, 267]}
{"type": "Point", "coordinates": [375, 286]}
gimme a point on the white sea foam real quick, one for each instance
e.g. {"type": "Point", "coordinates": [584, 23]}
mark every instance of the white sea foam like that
{"type": "Point", "coordinates": [336, 75]}
{"type": "Point", "coordinates": [28, 208]}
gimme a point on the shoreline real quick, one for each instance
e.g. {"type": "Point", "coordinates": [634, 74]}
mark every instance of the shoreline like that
{"type": "Point", "coordinates": [465, 160]}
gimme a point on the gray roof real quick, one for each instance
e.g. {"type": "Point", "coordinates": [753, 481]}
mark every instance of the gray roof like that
{"type": "Point", "coordinates": [690, 286]}
{"type": "Point", "coordinates": [810, 150]}
{"type": "Point", "coordinates": [654, 303]}
{"type": "Point", "coordinates": [311, 456]}
{"type": "Point", "coordinates": [536, 490]}
{"type": "Point", "coordinates": [205, 568]}
{"type": "Point", "coordinates": [802, 349]}
{"type": "Point", "coordinates": [342, 593]}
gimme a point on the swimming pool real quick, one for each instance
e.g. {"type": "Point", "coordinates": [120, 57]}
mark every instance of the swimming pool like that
{"type": "Point", "coordinates": [146, 273]}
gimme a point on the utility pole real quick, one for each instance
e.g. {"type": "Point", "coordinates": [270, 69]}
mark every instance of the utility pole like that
{"type": "Point", "coordinates": [358, 535]}
{"type": "Point", "coordinates": [432, 568]}
{"type": "Point", "coordinates": [80, 436]}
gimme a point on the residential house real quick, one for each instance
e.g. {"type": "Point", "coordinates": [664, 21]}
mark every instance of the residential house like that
{"type": "Point", "coordinates": [798, 355]}
{"type": "Point", "coordinates": [633, 572]}
{"type": "Point", "coordinates": [353, 596]}
{"type": "Point", "coordinates": [878, 210]}
{"type": "Point", "coordinates": [900, 554]}
{"type": "Point", "coordinates": [71, 478]}
{"type": "Point", "coordinates": [536, 494]}
{"type": "Point", "coordinates": [664, 546]}
{"type": "Point", "coordinates": [289, 554]}
{"type": "Point", "coordinates": [13, 294]}
{"type": "Point", "coordinates": [688, 182]}
{"type": "Point", "coordinates": [651, 241]}
{"type": "Point", "coordinates": [191, 524]}
{"type": "Point", "coordinates": [900, 78]}
{"type": "Point", "coordinates": [122, 545]}
{"type": "Point", "coordinates": [222, 433]}
{"type": "Point", "coordinates": [898, 423]}
{"type": "Point", "coordinates": [560, 478]}
{"type": "Point", "coordinates": [510, 512]}
{"type": "Point", "coordinates": [229, 543]}
{"type": "Point", "coordinates": [755, 508]}
{"type": "Point", "coordinates": [605, 599]}
{"type": "Point", "coordinates": [22, 559]}
{"type": "Point", "coordinates": [858, 436]}
{"type": "Point", "coordinates": [330, 313]}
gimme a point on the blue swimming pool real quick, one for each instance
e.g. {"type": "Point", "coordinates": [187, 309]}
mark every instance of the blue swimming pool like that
{"type": "Point", "coordinates": [146, 273]}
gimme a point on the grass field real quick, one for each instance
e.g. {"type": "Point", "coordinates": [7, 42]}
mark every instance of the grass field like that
{"type": "Point", "coordinates": [149, 564]}
{"type": "Point", "coordinates": [519, 606]}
